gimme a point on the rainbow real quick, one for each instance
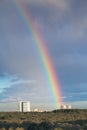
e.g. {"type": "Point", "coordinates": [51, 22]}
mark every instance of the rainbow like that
{"type": "Point", "coordinates": [43, 52]}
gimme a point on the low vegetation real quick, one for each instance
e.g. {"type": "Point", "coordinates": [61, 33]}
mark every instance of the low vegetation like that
{"type": "Point", "coordinates": [55, 120]}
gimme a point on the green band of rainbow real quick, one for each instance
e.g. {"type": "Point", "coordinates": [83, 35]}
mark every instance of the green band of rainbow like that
{"type": "Point", "coordinates": [43, 52]}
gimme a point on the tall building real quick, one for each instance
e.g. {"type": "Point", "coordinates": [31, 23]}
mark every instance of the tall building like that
{"type": "Point", "coordinates": [24, 106]}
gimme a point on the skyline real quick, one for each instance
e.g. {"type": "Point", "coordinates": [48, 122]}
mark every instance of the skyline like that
{"type": "Point", "coordinates": [63, 26]}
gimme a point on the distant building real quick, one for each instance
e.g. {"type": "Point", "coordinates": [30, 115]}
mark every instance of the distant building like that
{"type": "Point", "coordinates": [63, 107]}
{"type": "Point", "coordinates": [24, 106]}
{"type": "Point", "coordinates": [37, 110]}
{"type": "Point", "coordinates": [66, 107]}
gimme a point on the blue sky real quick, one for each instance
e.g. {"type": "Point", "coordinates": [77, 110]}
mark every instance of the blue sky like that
{"type": "Point", "coordinates": [63, 25]}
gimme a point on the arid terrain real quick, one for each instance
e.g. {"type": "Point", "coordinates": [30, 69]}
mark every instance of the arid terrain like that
{"type": "Point", "coordinates": [55, 120]}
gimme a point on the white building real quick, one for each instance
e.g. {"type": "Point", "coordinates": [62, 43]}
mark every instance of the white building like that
{"type": "Point", "coordinates": [37, 110]}
{"type": "Point", "coordinates": [63, 107]}
{"type": "Point", "coordinates": [69, 107]}
{"type": "Point", "coordinates": [66, 107]}
{"type": "Point", "coordinates": [24, 106]}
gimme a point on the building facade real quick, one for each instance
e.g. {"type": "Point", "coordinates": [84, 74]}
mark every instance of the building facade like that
{"type": "Point", "coordinates": [24, 106]}
{"type": "Point", "coordinates": [66, 107]}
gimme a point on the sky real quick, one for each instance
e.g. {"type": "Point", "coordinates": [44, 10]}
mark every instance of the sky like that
{"type": "Point", "coordinates": [63, 26]}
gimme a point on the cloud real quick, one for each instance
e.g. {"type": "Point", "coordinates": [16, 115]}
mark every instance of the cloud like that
{"type": "Point", "coordinates": [61, 15]}
{"type": "Point", "coordinates": [73, 59]}
{"type": "Point", "coordinates": [7, 81]}
{"type": "Point", "coordinates": [13, 88]}
{"type": "Point", "coordinates": [62, 24]}
{"type": "Point", "coordinates": [56, 3]}
{"type": "Point", "coordinates": [79, 104]}
{"type": "Point", "coordinates": [30, 92]}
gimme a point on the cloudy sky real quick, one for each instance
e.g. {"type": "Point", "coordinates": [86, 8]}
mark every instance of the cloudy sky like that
{"type": "Point", "coordinates": [63, 26]}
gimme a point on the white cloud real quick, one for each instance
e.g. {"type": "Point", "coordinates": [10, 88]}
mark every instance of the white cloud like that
{"type": "Point", "coordinates": [9, 99]}
{"type": "Point", "coordinates": [79, 104]}
{"type": "Point", "coordinates": [7, 81]}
